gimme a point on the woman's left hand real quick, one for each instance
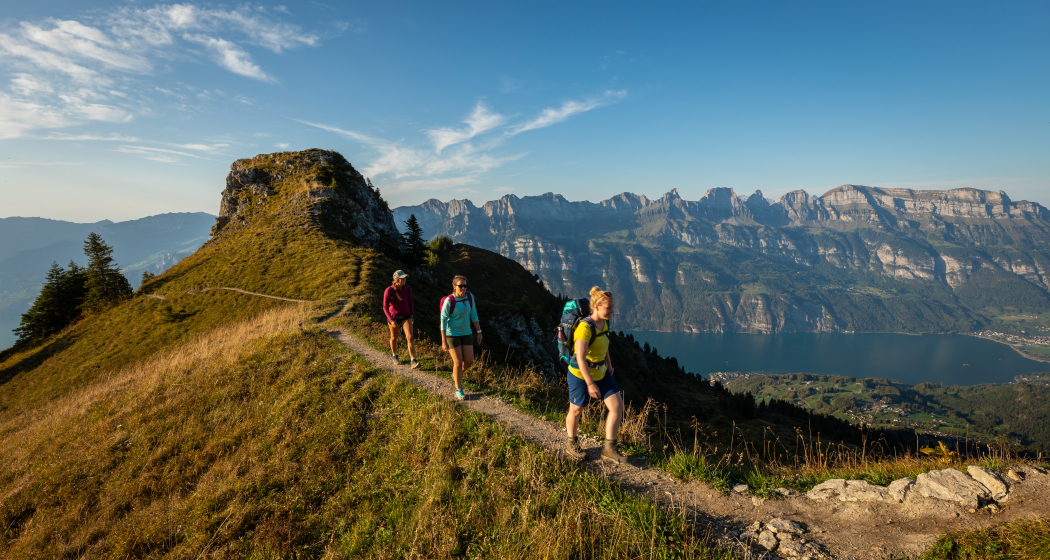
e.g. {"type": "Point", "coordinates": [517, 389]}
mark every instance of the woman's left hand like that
{"type": "Point", "coordinates": [479, 339]}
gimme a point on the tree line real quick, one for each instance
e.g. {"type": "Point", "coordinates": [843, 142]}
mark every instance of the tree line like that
{"type": "Point", "coordinates": [67, 293]}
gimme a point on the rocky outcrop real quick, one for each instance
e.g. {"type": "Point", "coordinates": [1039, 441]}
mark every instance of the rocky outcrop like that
{"type": "Point", "coordinates": [526, 338]}
{"type": "Point", "coordinates": [318, 183]}
{"type": "Point", "coordinates": [850, 491]}
{"type": "Point", "coordinates": [989, 480]}
{"type": "Point", "coordinates": [953, 486]}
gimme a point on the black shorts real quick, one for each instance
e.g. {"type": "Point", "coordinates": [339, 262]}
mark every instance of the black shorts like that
{"type": "Point", "coordinates": [457, 341]}
{"type": "Point", "coordinates": [399, 320]}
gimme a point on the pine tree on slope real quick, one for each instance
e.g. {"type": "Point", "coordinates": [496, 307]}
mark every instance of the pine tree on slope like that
{"type": "Point", "coordinates": [58, 304]}
{"type": "Point", "coordinates": [105, 284]}
{"type": "Point", "coordinates": [414, 243]}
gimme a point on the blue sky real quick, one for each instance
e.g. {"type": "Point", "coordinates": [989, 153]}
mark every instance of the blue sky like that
{"type": "Point", "coordinates": [125, 109]}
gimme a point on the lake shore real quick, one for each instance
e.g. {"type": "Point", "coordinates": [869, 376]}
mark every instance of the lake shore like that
{"type": "Point", "coordinates": [1036, 357]}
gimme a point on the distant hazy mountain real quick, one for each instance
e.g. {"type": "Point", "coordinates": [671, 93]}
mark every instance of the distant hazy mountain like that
{"type": "Point", "coordinates": [855, 259]}
{"type": "Point", "coordinates": [28, 246]}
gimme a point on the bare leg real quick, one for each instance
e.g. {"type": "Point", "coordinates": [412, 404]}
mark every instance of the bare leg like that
{"type": "Point", "coordinates": [409, 326]}
{"type": "Point", "coordinates": [393, 337]}
{"type": "Point", "coordinates": [457, 365]}
{"type": "Point", "coordinates": [612, 422]}
{"type": "Point", "coordinates": [468, 355]}
{"type": "Point", "coordinates": [572, 419]}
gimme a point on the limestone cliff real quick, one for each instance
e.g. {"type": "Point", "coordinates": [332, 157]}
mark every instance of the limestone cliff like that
{"type": "Point", "coordinates": [828, 253]}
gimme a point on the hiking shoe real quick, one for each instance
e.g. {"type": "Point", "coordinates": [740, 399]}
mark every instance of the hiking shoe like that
{"type": "Point", "coordinates": [460, 395]}
{"type": "Point", "coordinates": [397, 361]}
{"type": "Point", "coordinates": [574, 451]}
{"type": "Point", "coordinates": [609, 452]}
{"type": "Point", "coordinates": [415, 364]}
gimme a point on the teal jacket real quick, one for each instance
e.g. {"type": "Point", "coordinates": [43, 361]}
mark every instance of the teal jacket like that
{"type": "Point", "coordinates": [457, 323]}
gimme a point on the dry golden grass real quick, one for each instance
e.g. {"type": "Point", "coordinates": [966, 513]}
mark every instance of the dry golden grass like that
{"type": "Point", "coordinates": [256, 440]}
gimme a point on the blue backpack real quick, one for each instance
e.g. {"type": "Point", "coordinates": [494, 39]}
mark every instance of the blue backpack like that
{"type": "Point", "coordinates": [574, 311]}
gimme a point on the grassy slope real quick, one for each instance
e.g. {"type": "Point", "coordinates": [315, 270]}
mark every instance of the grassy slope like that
{"type": "Point", "coordinates": [258, 441]}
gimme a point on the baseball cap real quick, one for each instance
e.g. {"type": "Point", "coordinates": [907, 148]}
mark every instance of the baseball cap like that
{"type": "Point", "coordinates": [400, 274]}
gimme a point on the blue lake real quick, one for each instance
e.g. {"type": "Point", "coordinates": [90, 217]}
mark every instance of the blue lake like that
{"type": "Point", "coordinates": [950, 359]}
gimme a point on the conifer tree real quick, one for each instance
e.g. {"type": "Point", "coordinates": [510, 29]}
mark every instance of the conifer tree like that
{"type": "Point", "coordinates": [105, 284]}
{"type": "Point", "coordinates": [58, 304]}
{"type": "Point", "coordinates": [415, 245]}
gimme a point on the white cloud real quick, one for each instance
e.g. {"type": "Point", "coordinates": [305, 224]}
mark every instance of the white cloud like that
{"type": "Point", "coordinates": [479, 121]}
{"type": "Point", "coordinates": [65, 72]}
{"type": "Point", "coordinates": [16, 164]}
{"type": "Point", "coordinates": [283, 145]}
{"type": "Point", "coordinates": [157, 154]}
{"type": "Point", "coordinates": [454, 161]}
{"type": "Point", "coordinates": [551, 116]}
{"type": "Point", "coordinates": [90, 137]}
{"type": "Point", "coordinates": [230, 56]}
{"type": "Point", "coordinates": [503, 189]}
{"type": "Point", "coordinates": [209, 148]}
{"type": "Point", "coordinates": [19, 117]}
{"type": "Point", "coordinates": [78, 40]}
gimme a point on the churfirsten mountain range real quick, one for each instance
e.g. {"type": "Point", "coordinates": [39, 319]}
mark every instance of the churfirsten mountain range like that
{"type": "Point", "coordinates": [854, 259]}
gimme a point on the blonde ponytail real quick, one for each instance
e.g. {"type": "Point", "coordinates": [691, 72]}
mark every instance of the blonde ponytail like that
{"type": "Point", "coordinates": [598, 296]}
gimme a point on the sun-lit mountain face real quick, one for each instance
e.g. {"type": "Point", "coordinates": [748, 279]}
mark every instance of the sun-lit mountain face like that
{"type": "Point", "coordinates": [855, 259]}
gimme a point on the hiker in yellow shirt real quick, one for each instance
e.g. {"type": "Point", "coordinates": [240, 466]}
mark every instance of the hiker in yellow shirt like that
{"type": "Point", "coordinates": [591, 376]}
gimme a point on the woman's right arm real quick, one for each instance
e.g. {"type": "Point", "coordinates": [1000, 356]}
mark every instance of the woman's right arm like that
{"type": "Point", "coordinates": [386, 305]}
{"type": "Point", "coordinates": [444, 325]}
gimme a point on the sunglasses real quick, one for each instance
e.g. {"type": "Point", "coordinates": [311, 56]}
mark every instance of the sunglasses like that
{"type": "Point", "coordinates": [464, 286]}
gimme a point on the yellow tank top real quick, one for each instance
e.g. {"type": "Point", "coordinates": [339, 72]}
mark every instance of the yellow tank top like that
{"type": "Point", "coordinates": [595, 352]}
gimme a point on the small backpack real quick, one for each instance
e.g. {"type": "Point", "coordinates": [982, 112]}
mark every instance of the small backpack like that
{"type": "Point", "coordinates": [574, 311]}
{"type": "Point", "coordinates": [470, 298]}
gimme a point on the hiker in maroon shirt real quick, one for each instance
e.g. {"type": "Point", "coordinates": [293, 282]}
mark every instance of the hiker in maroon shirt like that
{"type": "Point", "coordinates": [399, 309]}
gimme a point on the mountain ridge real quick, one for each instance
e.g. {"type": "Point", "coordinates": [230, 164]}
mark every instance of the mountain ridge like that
{"type": "Point", "coordinates": [736, 263]}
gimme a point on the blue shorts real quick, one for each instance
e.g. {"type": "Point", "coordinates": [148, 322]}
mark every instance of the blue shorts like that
{"type": "Point", "coordinates": [578, 389]}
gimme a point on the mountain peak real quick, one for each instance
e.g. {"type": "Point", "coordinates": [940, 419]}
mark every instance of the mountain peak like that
{"type": "Point", "coordinates": [301, 189]}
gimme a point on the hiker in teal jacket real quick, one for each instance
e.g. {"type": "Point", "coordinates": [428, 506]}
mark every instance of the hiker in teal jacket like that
{"type": "Point", "coordinates": [458, 311]}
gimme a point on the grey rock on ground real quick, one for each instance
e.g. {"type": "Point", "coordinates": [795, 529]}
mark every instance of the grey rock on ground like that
{"type": "Point", "coordinates": [952, 486]}
{"type": "Point", "coordinates": [767, 540]}
{"type": "Point", "coordinates": [899, 488]}
{"type": "Point", "coordinates": [740, 488]}
{"type": "Point", "coordinates": [779, 525]}
{"type": "Point", "coordinates": [791, 548]}
{"type": "Point", "coordinates": [990, 480]}
{"type": "Point", "coordinates": [849, 491]}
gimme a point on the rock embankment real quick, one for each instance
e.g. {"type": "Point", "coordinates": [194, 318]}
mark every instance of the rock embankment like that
{"type": "Point", "coordinates": [979, 489]}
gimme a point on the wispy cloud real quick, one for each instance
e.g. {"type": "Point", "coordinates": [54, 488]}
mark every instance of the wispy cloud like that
{"type": "Point", "coordinates": [551, 115]}
{"type": "Point", "coordinates": [158, 154]}
{"type": "Point", "coordinates": [65, 72]}
{"type": "Point", "coordinates": [231, 57]}
{"type": "Point", "coordinates": [208, 148]}
{"type": "Point", "coordinates": [454, 160]}
{"type": "Point", "coordinates": [16, 164]}
{"type": "Point", "coordinates": [90, 137]}
{"type": "Point", "coordinates": [480, 120]}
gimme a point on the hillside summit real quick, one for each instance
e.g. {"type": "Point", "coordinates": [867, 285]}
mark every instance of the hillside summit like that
{"type": "Point", "coordinates": [856, 259]}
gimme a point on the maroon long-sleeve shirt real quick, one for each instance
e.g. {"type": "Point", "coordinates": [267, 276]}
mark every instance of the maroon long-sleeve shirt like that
{"type": "Point", "coordinates": [398, 303]}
